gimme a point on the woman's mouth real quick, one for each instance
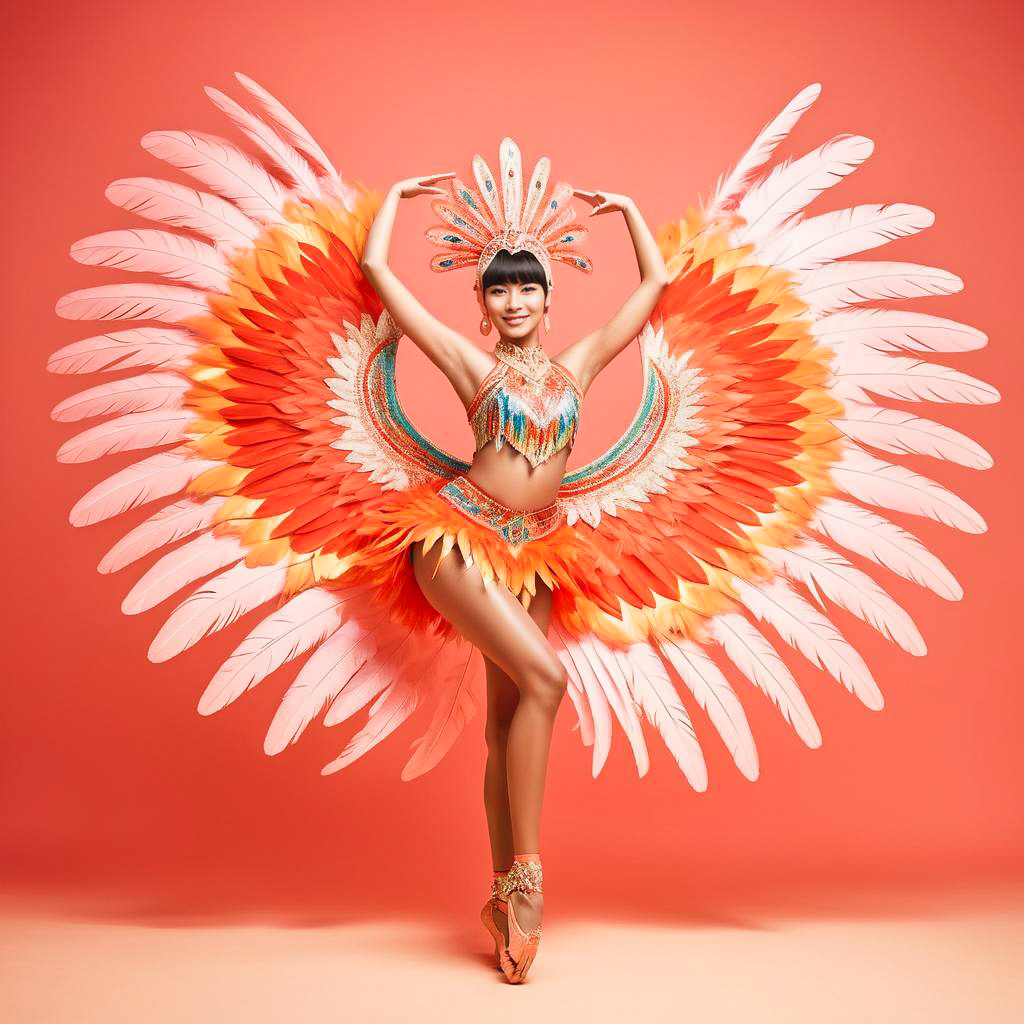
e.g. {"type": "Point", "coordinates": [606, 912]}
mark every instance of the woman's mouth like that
{"type": "Point", "coordinates": [513, 320]}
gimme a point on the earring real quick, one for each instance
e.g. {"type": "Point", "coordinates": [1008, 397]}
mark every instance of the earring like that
{"type": "Point", "coordinates": [485, 326]}
{"type": "Point", "coordinates": [547, 322]}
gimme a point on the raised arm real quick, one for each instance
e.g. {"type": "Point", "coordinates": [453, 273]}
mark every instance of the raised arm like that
{"type": "Point", "coordinates": [588, 356]}
{"type": "Point", "coordinates": [462, 362]}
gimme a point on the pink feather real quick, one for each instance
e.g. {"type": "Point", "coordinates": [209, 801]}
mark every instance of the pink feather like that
{"type": "Point", "coordinates": [181, 567]}
{"type": "Point", "coordinates": [222, 167]}
{"type": "Point", "coordinates": [144, 393]}
{"type": "Point", "coordinates": [169, 524]}
{"type": "Point", "coordinates": [164, 347]}
{"type": "Point", "coordinates": [216, 604]}
{"type": "Point", "coordinates": [280, 153]}
{"type": "Point", "coordinates": [154, 477]}
{"type": "Point", "coordinates": [148, 251]}
{"type": "Point", "coordinates": [460, 670]}
{"type": "Point", "coordinates": [182, 206]}
{"type": "Point", "coordinates": [142, 300]}
{"type": "Point", "coordinates": [303, 623]}
{"type": "Point", "coordinates": [127, 433]}
{"type": "Point", "coordinates": [866, 533]}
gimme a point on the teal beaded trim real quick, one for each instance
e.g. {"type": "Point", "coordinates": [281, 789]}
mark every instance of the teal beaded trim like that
{"type": "Point", "coordinates": [514, 526]}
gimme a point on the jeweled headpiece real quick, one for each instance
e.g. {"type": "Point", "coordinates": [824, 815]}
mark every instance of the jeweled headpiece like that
{"type": "Point", "coordinates": [500, 216]}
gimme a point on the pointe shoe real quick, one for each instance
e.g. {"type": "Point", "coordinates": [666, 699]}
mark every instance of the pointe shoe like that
{"type": "Point", "coordinates": [487, 917]}
{"type": "Point", "coordinates": [517, 957]}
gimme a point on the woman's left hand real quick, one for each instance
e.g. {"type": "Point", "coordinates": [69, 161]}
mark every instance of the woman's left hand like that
{"type": "Point", "coordinates": [603, 202]}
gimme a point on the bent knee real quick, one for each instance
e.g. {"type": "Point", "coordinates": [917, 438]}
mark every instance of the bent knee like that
{"type": "Point", "coordinates": [546, 681]}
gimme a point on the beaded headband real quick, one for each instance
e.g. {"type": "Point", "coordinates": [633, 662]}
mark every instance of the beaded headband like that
{"type": "Point", "coordinates": [481, 223]}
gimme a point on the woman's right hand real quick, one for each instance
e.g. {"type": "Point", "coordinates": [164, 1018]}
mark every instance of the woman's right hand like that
{"type": "Point", "coordinates": [418, 186]}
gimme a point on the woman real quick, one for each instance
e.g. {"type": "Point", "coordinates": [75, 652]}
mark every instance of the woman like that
{"type": "Point", "coordinates": [525, 678]}
{"type": "Point", "coordinates": [305, 485]}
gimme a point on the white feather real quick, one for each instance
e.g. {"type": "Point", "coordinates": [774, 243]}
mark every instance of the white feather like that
{"type": "Point", "coordinates": [293, 131]}
{"type": "Point", "coordinates": [304, 622]}
{"type": "Point", "coordinates": [147, 251]}
{"type": "Point", "coordinates": [459, 670]}
{"type": "Point", "coordinates": [887, 329]}
{"type": "Point", "coordinates": [715, 696]}
{"type": "Point", "coordinates": [815, 565]}
{"type": "Point", "coordinates": [281, 154]}
{"type": "Point", "coordinates": [222, 167]}
{"type": "Point", "coordinates": [576, 661]}
{"type": "Point", "coordinates": [848, 282]}
{"type": "Point", "coordinates": [659, 701]}
{"type": "Point", "coordinates": [867, 533]}
{"type": "Point", "coordinates": [395, 655]}
{"type": "Point", "coordinates": [153, 477]}
{"type": "Point", "coordinates": [167, 348]}
{"type": "Point", "coordinates": [881, 483]}
{"type": "Point", "coordinates": [794, 184]}
{"type": "Point", "coordinates": [903, 433]}
{"type": "Point", "coordinates": [141, 300]}
{"type": "Point", "coordinates": [575, 690]}
{"type": "Point", "coordinates": [182, 206]}
{"type": "Point", "coordinates": [754, 656]}
{"type": "Point", "coordinates": [397, 703]}
{"type": "Point", "coordinates": [909, 379]}
{"type": "Point", "coordinates": [182, 566]}
{"type": "Point", "coordinates": [324, 675]}
{"type": "Point", "coordinates": [142, 393]}
{"type": "Point", "coordinates": [126, 433]}
{"type": "Point", "coordinates": [216, 604]}
{"type": "Point", "coordinates": [167, 525]}
{"type": "Point", "coordinates": [808, 631]}
{"type": "Point", "coordinates": [616, 685]}
{"type": "Point", "coordinates": [737, 181]}
{"type": "Point", "coordinates": [831, 236]}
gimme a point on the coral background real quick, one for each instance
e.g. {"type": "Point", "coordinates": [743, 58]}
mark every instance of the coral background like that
{"type": "Point", "coordinates": [116, 792]}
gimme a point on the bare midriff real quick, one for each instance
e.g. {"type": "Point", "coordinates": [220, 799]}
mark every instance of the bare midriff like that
{"type": "Point", "coordinates": [506, 474]}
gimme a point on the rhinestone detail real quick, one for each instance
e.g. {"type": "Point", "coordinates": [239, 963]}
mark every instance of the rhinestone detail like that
{"type": "Point", "coordinates": [524, 876]}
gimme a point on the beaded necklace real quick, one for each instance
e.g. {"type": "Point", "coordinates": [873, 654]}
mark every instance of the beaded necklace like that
{"type": "Point", "coordinates": [528, 402]}
{"type": "Point", "coordinates": [531, 362]}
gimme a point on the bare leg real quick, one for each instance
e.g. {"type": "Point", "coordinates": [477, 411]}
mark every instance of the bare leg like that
{"type": "Point", "coordinates": [491, 619]}
{"type": "Point", "coordinates": [502, 702]}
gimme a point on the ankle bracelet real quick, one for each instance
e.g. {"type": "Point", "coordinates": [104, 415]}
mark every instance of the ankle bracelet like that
{"type": "Point", "coordinates": [523, 876]}
{"type": "Point", "coordinates": [495, 879]}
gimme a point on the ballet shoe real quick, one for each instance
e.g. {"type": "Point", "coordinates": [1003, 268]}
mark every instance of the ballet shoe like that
{"type": "Point", "coordinates": [487, 917]}
{"type": "Point", "coordinates": [517, 957]}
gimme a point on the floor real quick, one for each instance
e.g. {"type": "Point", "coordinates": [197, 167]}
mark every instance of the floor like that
{"type": "Point", "coordinates": [955, 956]}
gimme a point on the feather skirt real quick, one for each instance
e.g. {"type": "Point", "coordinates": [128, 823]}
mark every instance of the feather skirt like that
{"type": "Point", "coordinates": [563, 559]}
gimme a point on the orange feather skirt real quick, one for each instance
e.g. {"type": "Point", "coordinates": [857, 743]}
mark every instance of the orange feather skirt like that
{"type": "Point", "coordinates": [515, 548]}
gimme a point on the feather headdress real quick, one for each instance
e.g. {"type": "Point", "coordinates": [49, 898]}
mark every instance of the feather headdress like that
{"type": "Point", "coordinates": [502, 216]}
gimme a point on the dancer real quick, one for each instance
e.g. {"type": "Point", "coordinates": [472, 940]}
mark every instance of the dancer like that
{"type": "Point", "coordinates": [524, 411]}
{"type": "Point", "coordinates": [409, 576]}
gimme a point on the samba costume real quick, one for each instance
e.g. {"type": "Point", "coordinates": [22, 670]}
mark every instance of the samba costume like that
{"type": "Point", "coordinates": [725, 504]}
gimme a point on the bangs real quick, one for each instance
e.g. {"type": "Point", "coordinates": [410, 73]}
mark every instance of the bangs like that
{"type": "Point", "coordinates": [520, 267]}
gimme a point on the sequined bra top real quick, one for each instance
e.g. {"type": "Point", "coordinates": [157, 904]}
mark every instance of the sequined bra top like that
{"type": "Point", "coordinates": [533, 405]}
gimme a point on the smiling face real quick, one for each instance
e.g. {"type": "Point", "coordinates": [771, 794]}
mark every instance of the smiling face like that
{"type": "Point", "coordinates": [514, 295]}
{"type": "Point", "coordinates": [515, 309]}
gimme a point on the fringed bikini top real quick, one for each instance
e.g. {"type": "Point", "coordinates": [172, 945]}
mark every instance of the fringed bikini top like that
{"type": "Point", "coordinates": [528, 401]}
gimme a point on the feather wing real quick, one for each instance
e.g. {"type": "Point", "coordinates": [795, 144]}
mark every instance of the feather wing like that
{"type": "Point", "coordinates": [725, 501]}
{"type": "Point", "coordinates": [268, 381]}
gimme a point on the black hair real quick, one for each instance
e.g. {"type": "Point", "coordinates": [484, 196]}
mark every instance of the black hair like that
{"type": "Point", "coordinates": [521, 267]}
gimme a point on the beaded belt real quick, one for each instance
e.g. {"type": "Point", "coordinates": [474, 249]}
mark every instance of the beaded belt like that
{"type": "Point", "coordinates": [516, 526]}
